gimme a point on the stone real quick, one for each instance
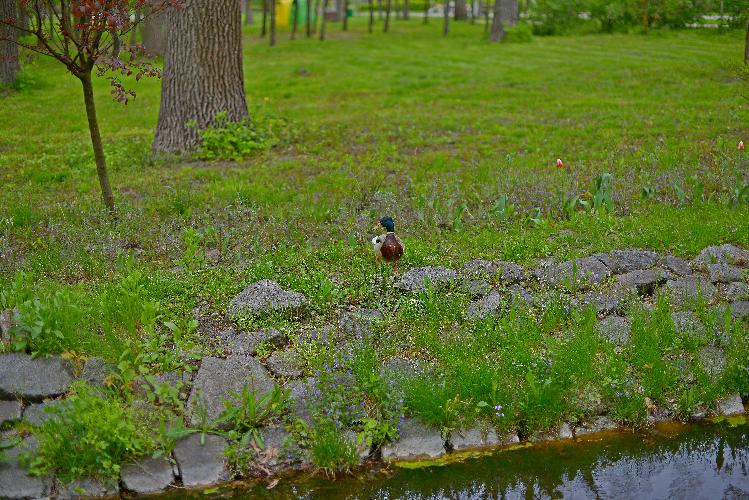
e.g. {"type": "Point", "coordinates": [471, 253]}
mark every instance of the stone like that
{"type": "Point", "coordinates": [612, 301]}
{"type": "Point", "coordinates": [475, 437]}
{"type": "Point", "coordinates": [713, 361]}
{"type": "Point", "coordinates": [415, 280]}
{"type": "Point", "coordinates": [731, 405]}
{"type": "Point", "coordinates": [578, 274]}
{"type": "Point", "coordinates": [725, 273]}
{"type": "Point", "coordinates": [263, 297]}
{"type": "Point", "coordinates": [485, 306]}
{"type": "Point", "coordinates": [37, 413]}
{"type": "Point", "coordinates": [688, 323]}
{"type": "Point", "coordinates": [644, 281]}
{"type": "Point", "coordinates": [316, 336]}
{"type": "Point", "coordinates": [218, 378]}
{"type": "Point", "coordinates": [360, 322]}
{"type": "Point", "coordinates": [736, 291]}
{"type": "Point", "coordinates": [87, 487]}
{"type": "Point", "coordinates": [506, 273]}
{"type": "Point", "coordinates": [9, 411]}
{"type": "Point", "coordinates": [284, 364]}
{"type": "Point", "coordinates": [565, 431]}
{"type": "Point", "coordinates": [148, 475]}
{"type": "Point", "coordinates": [416, 441]}
{"type": "Point", "coordinates": [616, 330]}
{"type": "Point", "coordinates": [96, 371]}
{"type": "Point", "coordinates": [740, 309]}
{"type": "Point", "coordinates": [520, 296]}
{"type": "Point", "coordinates": [625, 261]}
{"type": "Point", "coordinates": [248, 343]}
{"type": "Point", "coordinates": [201, 464]}
{"type": "Point", "coordinates": [33, 379]}
{"type": "Point", "coordinates": [7, 320]}
{"type": "Point", "coordinates": [15, 483]}
{"type": "Point", "coordinates": [722, 254]}
{"type": "Point", "coordinates": [682, 292]}
{"type": "Point", "coordinates": [301, 393]}
{"type": "Point", "coordinates": [477, 288]}
{"type": "Point", "coordinates": [677, 265]}
{"type": "Point", "coordinates": [599, 424]}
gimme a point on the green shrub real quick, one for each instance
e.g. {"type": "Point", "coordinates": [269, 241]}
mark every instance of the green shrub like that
{"type": "Point", "coordinates": [232, 140]}
{"type": "Point", "coordinates": [522, 33]}
{"type": "Point", "coordinates": [331, 451]}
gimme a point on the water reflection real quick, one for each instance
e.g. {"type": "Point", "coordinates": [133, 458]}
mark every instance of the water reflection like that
{"type": "Point", "coordinates": [678, 462]}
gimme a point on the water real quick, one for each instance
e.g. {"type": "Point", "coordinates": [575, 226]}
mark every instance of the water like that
{"type": "Point", "coordinates": [708, 461]}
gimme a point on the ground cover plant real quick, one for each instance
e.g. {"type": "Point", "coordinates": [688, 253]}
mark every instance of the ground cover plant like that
{"type": "Point", "coordinates": [455, 138]}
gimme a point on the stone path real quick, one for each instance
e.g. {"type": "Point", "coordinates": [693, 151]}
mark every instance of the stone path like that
{"type": "Point", "coordinates": [608, 281]}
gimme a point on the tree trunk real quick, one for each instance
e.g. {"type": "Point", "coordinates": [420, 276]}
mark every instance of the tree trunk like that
{"type": "Point", "coordinates": [461, 13]}
{"type": "Point", "coordinates": [379, 9]}
{"type": "Point", "coordinates": [264, 28]}
{"type": "Point", "coordinates": [426, 11]}
{"type": "Point", "coordinates": [746, 44]}
{"type": "Point", "coordinates": [323, 20]}
{"type": "Point", "coordinates": [9, 65]}
{"type": "Point", "coordinates": [509, 12]}
{"type": "Point", "coordinates": [486, 16]}
{"type": "Point", "coordinates": [138, 26]}
{"type": "Point", "coordinates": [272, 22]}
{"type": "Point", "coordinates": [203, 73]}
{"type": "Point", "coordinates": [338, 10]}
{"type": "Point", "coordinates": [498, 32]}
{"type": "Point", "coordinates": [154, 32]}
{"type": "Point", "coordinates": [371, 15]}
{"type": "Point", "coordinates": [345, 15]}
{"type": "Point", "coordinates": [446, 16]}
{"type": "Point", "coordinates": [388, 7]}
{"type": "Point", "coordinates": [295, 18]}
{"type": "Point", "coordinates": [406, 10]}
{"type": "Point", "coordinates": [248, 12]}
{"type": "Point", "coordinates": [93, 128]}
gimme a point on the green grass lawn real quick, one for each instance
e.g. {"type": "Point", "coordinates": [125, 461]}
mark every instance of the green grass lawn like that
{"type": "Point", "coordinates": [431, 130]}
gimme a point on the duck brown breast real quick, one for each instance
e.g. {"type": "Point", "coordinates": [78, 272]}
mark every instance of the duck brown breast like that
{"type": "Point", "coordinates": [391, 248]}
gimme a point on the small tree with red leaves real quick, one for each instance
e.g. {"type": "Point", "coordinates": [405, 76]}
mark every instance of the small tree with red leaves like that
{"type": "Point", "coordinates": [85, 35]}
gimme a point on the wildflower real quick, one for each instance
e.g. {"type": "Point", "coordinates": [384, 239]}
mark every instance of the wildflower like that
{"type": "Point", "coordinates": [266, 99]}
{"type": "Point", "coordinates": [741, 145]}
{"type": "Point", "coordinates": [560, 164]}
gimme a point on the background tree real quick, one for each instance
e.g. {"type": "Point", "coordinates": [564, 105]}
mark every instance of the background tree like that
{"type": "Point", "coordinates": [272, 8]}
{"type": "Point", "coordinates": [154, 30]}
{"type": "Point", "coordinates": [446, 18]}
{"type": "Point", "coordinates": [9, 65]}
{"type": "Point", "coordinates": [498, 32]}
{"type": "Point", "coordinates": [308, 27]}
{"type": "Point", "coordinates": [295, 18]}
{"type": "Point", "coordinates": [345, 15]}
{"type": "Point", "coordinates": [406, 10]}
{"type": "Point", "coordinates": [388, 8]}
{"type": "Point", "coordinates": [426, 11]}
{"type": "Point", "coordinates": [203, 73]}
{"type": "Point", "coordinates": [323, 20]}
{"type": "Point", "coordinates": [247, 12]}
{"type": "Point", "coordinates": [264, 28]}
{"type": "Point", "coordinates": [509, 12]}
{"type": "Point", "coordinates": [371, 15]}
{"type": "Point", "coordinates": [85, 35]}
{"type": "Point", "coordinates": [461, 12]}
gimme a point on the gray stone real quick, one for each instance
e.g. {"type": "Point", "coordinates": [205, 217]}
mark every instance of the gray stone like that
{"type": "Point", "coordinates": [284, 364]}
{"type": "Point", "coordinates": [722, 254]}
{"type": "Point", "coordinates": [201, 464]}
{"type": "Point", "coordinates": [688, 323]}
{"type": "Point", "coordinates": [248, 342]}
{"type": "Point", "coordinates": [416, 441]}
{"type": "Point", "coordinates": [612, 301]}
{"type": "Point", "coordinates": [7, 320]}
{"type": "Point", "coordinates": [316, 336]}
{"type": "Point", "coordinates": [301, 393]}
{"type": "Point", "coordinates": [33, 379]}
{"type": "Point", "coordinates": [736, 291]}
{"type": "Point", "coordinates": [15, 483]}
{"type": "Point", "coordinates": [263, 297]}
{"type": "Point", "coordinates": [477, 288]}
{"type": "Point", "coordinates": [218, 379]}
{"type": "Point", "coordinates": [740, 309]}
{"type": "Point", "coordinates": [506, 273]}
{"type": "Point", "coordinates": [598, 424]}
{"type": "Point", "coordinates": [37, 413]}
{"type": "Point", "coordinates": [578, 274]}
{"type": "Point", "coordinates": [485, 306]}
{"type": "Point", "coordinates": [96, 371]}
{"type": "Point", "coordinates": [415, 280]}
{"type": "Point", "coordinates": [520, 296]}
{"type": "Point", "coordinates": [644, 281]}
{"type": "Point", "coordinates": [625, 261]}
{"type": "Point", "coordinates": [563, 431]}
{"type": "Point", "coordinates": [677, 265]}
{"type": "Point", "coordinates": [713, 361]}
{"type": "Point", "coordinates": [475, 437]}
{"type": "Point", "coordinates": [9, 411]}
{"type": "Point", "coordinates": [725, 273]}
{"type": "Point", "coordinates": [274, 441]}
{"type": "Point", "coordinates": [682, 292]}
{"type": "Point", "coordinates": [731, 405]}
{"type": "Point", "coordinates": [359, 323]}
{"type": "Point", "coordinates": [148, 475]}
{"type": "Point", "coordinates": [616, 330]}
{"type": "Point", "coordinates": [87, 487]}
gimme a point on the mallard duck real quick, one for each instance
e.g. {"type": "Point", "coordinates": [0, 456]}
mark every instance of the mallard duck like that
{"type": "Point", "coordinates": [388, 246]}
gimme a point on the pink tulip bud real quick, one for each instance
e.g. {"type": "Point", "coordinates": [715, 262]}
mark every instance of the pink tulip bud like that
{"type": "Point", "coordinates": [559, 163]}
{"type": "Point", "coordinates": [741, 145]}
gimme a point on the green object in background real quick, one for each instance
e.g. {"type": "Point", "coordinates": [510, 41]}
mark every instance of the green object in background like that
{"type": "Point", "coordinates": [302, 20]}
{"type": "Point", "coordinates": [349, 12]}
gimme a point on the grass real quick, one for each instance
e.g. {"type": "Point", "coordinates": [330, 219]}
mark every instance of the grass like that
{"type": "Point", "coordinates": [433, 131]}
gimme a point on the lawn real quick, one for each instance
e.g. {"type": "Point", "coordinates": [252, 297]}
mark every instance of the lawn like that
{"type": "Point", "coordinates": [454, 137]}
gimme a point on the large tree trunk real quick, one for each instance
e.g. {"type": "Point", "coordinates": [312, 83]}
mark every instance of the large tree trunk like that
{"type": "Point", "coordinates": [461, 13]}
{"type": "Point", "coordinates": [509, 12]}
{"type": "Point", "coordinates": [154, 32]}
{"type": "Point", "coordinates": [498, 32]}
{"type": "Point", "coordinates": [203, 73]}
{"type": "Point", "coordinates": [8, 49]}
{"type": "Point", "coordinates": [93, 128]}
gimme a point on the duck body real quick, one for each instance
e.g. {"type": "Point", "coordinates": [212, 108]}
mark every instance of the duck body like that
{"type": "Point", "coordinates": [388, 246]}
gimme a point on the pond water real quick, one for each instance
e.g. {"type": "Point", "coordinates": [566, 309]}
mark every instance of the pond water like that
{"type": "Point", "coordinates": [709, 461]}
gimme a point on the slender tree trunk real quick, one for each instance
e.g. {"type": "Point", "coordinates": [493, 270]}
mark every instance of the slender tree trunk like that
{"type": "Point", "coordinates": [323, 21]}
{"type": "Point", "coordinates": [203, 73]}
{"type": "Point", "coordinates": [9, 65]}
{"type": "Point", "coordinates": [295, 18]}
{"type": "Point", "coordinates": [388, 7]}
{"type": "Point", "coordinates": [498, 32]}
{"type": "Point", "coordinates": [272, 22]}
{"type": "Point", "coordinates": [406, 10]}
{"type": "Point", "coordinates": [264, 29]}
{"type": "Point", "coordinates": [345, 15]}
{"type": "Point", "coordinates": [398, 12]}
{"type": "Point", "coordinates": [317, 15]}
{"type": "Point", "coordinates": [426, 11]}
{"type": "Point", "coordinates": [461, 13]}
{"type": "Point", "coordinates": [446, 16]}
{"type": "Point", "coordinates": [308, 8]}
{"type": "Point", "coordinates": [645, 15]}
{"type": "Point", "coordinates": [248, 12]}
{"type": "Point", "coordinates": [99, 157]}
{"type": "Point", "coordinates": [486, 16]}
{"type": "Point", "coordinates": [379, 9]}
{"type": "Point", "coordinates": [138, 26]}
{"type": "Point", "coordinates": [371, 15]}
{"type": "Point", "coordinates": [746, 44]}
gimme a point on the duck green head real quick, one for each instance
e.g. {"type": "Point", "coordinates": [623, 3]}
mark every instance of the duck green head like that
{"type": "Point", "coordinates": [387, 223]}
